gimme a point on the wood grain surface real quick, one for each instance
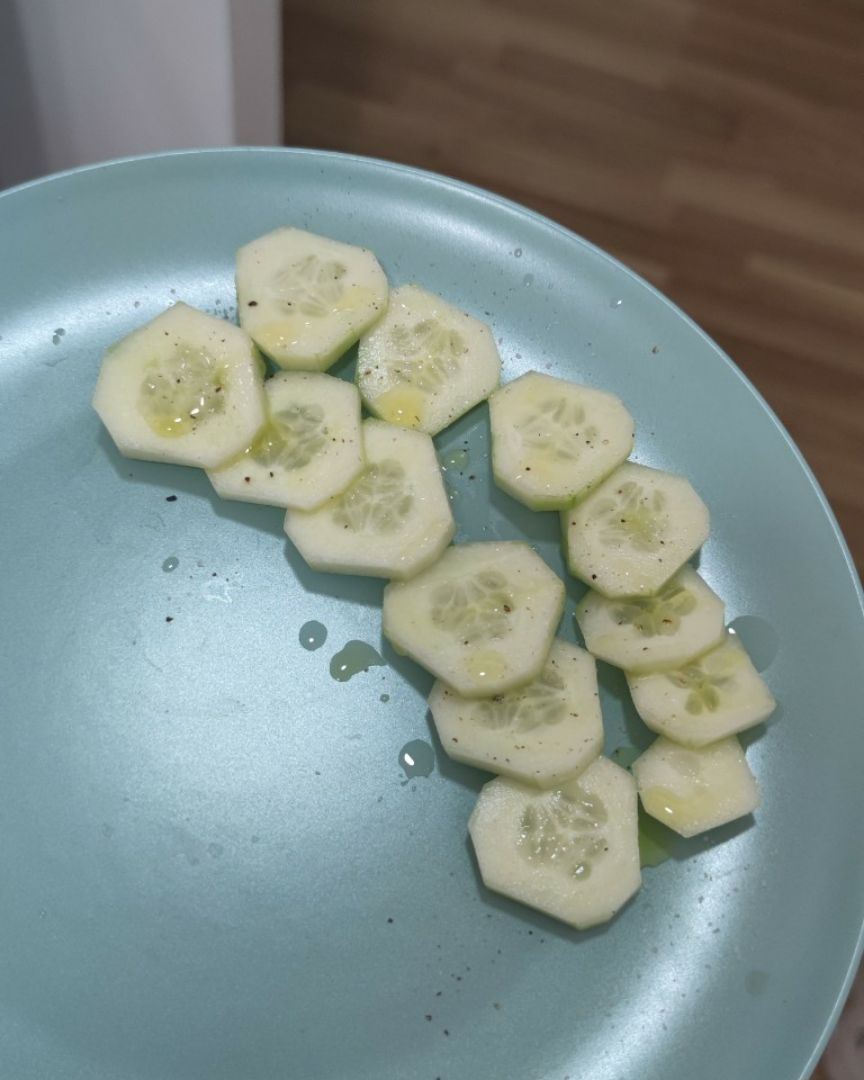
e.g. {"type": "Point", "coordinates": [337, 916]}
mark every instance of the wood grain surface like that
{"type": "Point", "coordinates": [717, 148]}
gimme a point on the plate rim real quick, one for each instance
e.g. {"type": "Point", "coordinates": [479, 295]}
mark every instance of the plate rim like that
{"type": "Point", "coordinates": [489, 197]}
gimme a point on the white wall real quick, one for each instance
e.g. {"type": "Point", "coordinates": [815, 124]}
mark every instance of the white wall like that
{"type": "Point", "coordinates": [86, 80]}
{"type": "Point", "coordinates": [256, 43]}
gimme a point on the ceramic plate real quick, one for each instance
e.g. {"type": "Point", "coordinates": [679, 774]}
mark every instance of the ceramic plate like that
{"type": "Point", "coordinates": [218, 862]}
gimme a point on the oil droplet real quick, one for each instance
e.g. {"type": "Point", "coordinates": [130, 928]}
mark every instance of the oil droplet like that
{"type": "Point", "coordinates": [384, 698]}
{"type": "Point", "coordinates": [755, 982]}
{"type": "Point", "coordinates": [487, 664]}
{"type": "Point", "coordinates": [454, 459]}
{"type": "Point", "coordinates": [171, 563]}
{"type": "Point", "coordinates": [313, 635]}
{"type": "Point", "coordinates": [217, 590]}
{"type": "Point", "coordinates": [528, 279]}
{"type": "Point", "coordinates": [401, 405]}
{"type": "Point", "coordinates": [518, 253]}
{"type": "Point", "coordinates": [759, 638]}
{"type": "Point", "coordinates": [357, 656]}
{"type": "Point", "coordinates": [615, 303]}
{"type": "Point", "coordinates": [417, 758]}
{"type": "Point", "coordinates": [654, 841]}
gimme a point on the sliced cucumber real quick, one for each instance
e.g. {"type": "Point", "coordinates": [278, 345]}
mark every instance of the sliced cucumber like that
{"type": "Point", "coordinates": [185, 388]}
{"type": "Point", "coordinates": [309, 449]}
{"type": "Point", "coordinates": [634, 531]}
{"type": "Point", "coordinates": [543, 734]}
{"type": "Point", "coordinates": [692, 791]}
{"type": "Point", "coordinates": [392, 521]}
{"type": "Point", "coordinates": [426, 363]}
{"type": "Point", "coordinates": [572, 852]}
{"type": "Point", "coordinates": [305, 298]}
{"type": "Point", "coordinates": [482, 618]}
{"type": "Point", "coordinates": [646, 633]}
{"type": "Point", "coordinates": [716, 695]}
{"type": "Point", "coordinates": [553, 440]}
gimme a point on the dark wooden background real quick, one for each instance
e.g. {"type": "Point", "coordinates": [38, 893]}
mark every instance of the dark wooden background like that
{"type": "Point", "coordinates": [716, 146]}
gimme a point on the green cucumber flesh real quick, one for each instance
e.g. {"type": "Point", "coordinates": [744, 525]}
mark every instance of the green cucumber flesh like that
{"type": "Point", "coordinates": [185, 388]}
{"type": "Point", "coordinates": [545, 733]}
{"type": "Point", "coordinates": [694, 790]}
{"type": "Point", "coordinates": [482, 619]}
{"type": "Point", "coordinates": [305, 298]}
{"type": "Point", "coordinates": [633, 531]}
{"type": "Point", "coordinates": [426, 362]}
{"type": "Point", "coordinates": [392, 521]}
{"type": "Point", "coordinates": [713, 696]}
{"type": "Point", "coordinates": [571, 852]}
{"type": "Point", "coordinates": [309, 449]}
{"type": "Point", "coordinates": [553, 440]}
{"type": "Point", "coordinates": [648, 633]}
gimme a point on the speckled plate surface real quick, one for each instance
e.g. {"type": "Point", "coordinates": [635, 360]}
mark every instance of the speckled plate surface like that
{"type": "Point", "coordinates": [214, 866]}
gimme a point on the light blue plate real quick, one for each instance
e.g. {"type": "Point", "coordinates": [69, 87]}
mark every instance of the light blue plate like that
{"type": "Point", "coordinates": [213, 865]}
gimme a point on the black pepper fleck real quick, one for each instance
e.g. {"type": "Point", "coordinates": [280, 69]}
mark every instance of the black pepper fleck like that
{"type": "Point", "coordinates": [170, 498]}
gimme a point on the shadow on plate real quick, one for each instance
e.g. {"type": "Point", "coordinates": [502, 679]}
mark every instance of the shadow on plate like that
{"type": "Point", "coordinates": [613, 684]}
{"type": "Point", "coordinates": [191, 482]}
{"type": "Point", "coordinates": [467, 775]}
{"type": "Point", "coordinates": [416, 676]}
{"type": "Point", "coordinates": [368, 591]}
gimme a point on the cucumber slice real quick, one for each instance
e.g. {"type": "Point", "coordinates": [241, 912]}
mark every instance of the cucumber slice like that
{"type": "Point", "coordinates": [646, 633]}
{"type": "Point", "coordinates": [634, 531]}
{"type": "Point", "coordinates": [482, 618]}
{"type": "Point", "coordinates": [309, 449]}
{"type": "Point", "coordinates": [186, 388]}
{"type": "Point", "coordinates": [544, 734]}
{"type": "Point", "coordinates": [572, 852]}
{"type": "Point", "coordinates": [692, 791]}
{"type": "Point", "coordinates": [426, 363]}
{"type": "Point", "coordinates": [305, 299]}
{"type": "Point", "coordinates": [392, 521]}
{"type": "Point", "coordinates": [553, 440]}
{"type": "Point", "coordinates": [714, 696]}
